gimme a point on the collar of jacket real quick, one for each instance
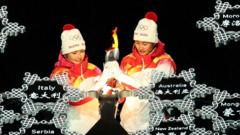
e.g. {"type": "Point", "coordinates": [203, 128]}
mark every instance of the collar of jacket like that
{"type": "Point", "coordinates": [74, 69]}
{"type": "Point", "coordinates": [147, 59]}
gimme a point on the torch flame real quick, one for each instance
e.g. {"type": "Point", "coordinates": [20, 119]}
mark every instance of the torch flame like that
{"type": "Point", "coordinates": [113, 52]}
{"type": "Point", "coordinates": [115, 38]}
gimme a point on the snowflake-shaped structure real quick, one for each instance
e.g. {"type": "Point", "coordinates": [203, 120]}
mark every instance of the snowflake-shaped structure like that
{"type": "Point", "coordinates": [221, 36]}
{"type": "Point", "coordinates": [7, 28]}
{"type": "Point", "coordinates": [210, 112]}
{"type": "Point", "coordinates": [186, 105]}
{"type": "Point", "coordinates": [31, 108]}
{"type": "Point", "coordinates": [157, 105]}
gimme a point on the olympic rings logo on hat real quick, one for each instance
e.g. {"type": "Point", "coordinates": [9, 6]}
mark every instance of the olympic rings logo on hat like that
{"type": "Point", "coordinates": [143, 27]}
{"type": "Point", "coordinates": [75, 37]}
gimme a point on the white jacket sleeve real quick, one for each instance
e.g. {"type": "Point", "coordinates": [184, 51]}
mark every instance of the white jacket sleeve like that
{"type": "Point", "coordinates": [89, 84]}
{"type": "Point", "coordinates": [166, 68]}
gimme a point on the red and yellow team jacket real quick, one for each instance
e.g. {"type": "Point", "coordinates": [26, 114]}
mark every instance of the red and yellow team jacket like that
{"type": "Point", "coordinates": [77, 73]}
{"type": "Point", "coordinates": [134, 62]}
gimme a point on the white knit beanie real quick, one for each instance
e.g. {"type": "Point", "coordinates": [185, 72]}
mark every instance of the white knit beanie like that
{"type": "Point", "coordinates": [72, 39]}
{"type": "Point", "coordinates": [146, 29]}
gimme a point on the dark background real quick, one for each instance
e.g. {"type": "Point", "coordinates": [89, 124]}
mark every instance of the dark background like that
{"type": "Point", "coordinates": [37, 49]}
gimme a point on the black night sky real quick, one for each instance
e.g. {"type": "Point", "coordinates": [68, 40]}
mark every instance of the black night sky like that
{"type": "Point", "coordinates": [36, 50]}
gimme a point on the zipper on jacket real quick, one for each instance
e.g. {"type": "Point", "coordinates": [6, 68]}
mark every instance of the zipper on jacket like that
{"type": "Point", "coordinates": [82, 73]}
{"type": "Point", "coordinates": [143, 64]}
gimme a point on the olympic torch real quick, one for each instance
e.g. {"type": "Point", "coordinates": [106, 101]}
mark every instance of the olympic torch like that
{"type": "Point", "coordinates": [113, 53]}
